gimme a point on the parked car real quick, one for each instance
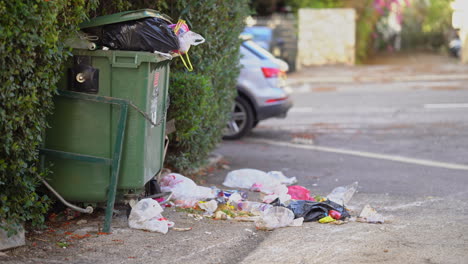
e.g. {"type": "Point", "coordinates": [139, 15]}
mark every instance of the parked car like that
{"type": "Point", "coordinates": [263, 36]}
{"type": "Point", "coordinates": [262, 91]}
{"type": "Point", "coordinates": [280, 41]}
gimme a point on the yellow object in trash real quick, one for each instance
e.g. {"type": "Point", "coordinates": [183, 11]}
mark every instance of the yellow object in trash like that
{"type": "Point", "coordinates": [326, 219]}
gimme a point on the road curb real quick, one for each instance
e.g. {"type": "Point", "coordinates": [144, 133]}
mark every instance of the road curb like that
{"type": "Point", "coordinates": [370, 79]}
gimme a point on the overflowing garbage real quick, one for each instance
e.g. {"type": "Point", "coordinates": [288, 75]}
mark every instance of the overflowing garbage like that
{"type": "Point", "coordinates": [278, 206]}
{"type": "Point", "coordinates": [153, 33]}
{"type": "Point", "coordinates": [140, 30]}
{"type": "Point", "coordinates": [148, 34]}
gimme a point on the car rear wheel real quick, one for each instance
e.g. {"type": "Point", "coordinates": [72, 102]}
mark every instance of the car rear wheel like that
{"type": "Point", "coordinates": [255, 123]}
{"type": "Point", "coordinates": [241, 121]}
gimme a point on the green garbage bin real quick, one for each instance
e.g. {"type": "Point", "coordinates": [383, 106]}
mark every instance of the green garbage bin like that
{"type": "Point", "coordinates": [108, 123]}
{"type": "Point", "coordinates": [90, 128]}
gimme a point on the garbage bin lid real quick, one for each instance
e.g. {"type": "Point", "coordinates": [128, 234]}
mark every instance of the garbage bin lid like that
{"type": "Point", "coordinates": [122, 17]}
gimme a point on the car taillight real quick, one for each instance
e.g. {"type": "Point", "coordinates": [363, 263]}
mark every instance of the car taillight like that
{"type": "Point", "coordinates": [269, 101]}
{"type": "Point", "coordinates": [271, 72]}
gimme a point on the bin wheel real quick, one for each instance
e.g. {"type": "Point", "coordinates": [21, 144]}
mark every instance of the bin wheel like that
{"type": "Point", "coordinates": [152, 187]}
{"type": "Point", "coordinates": [128, 210]}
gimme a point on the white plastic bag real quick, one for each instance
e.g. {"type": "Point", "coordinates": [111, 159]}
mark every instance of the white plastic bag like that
{"type": "Point", "coordinates": [245, 178]}
{"type": "Point", "coordinates": [276, 217]}
{"type": "Point", "coordinates": [235, 198]}
{"type": "Point", "coordinates": [282, 178]}
{"type": "Point", "coordinates": [370, 215]}
{"type": "Point", "coordinates": [185, 192]}
{"type": "Point", "coordinates": [146, 215]}
{"type": "Point", "coordinates": [188, 39]}
{"type": "Point", "coordinates": [281, 192]}
{"type": "Point", "coordinates": [209, 207]}
{"type": "Point", "coordinates": [343, 194]}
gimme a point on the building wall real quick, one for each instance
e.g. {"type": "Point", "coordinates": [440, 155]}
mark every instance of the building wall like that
{"type": "Point", "coordinates": [326, 36]}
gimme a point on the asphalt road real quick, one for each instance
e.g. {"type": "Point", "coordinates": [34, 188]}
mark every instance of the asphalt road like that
{"type": "Point", "coordinates": [421, 124]}
{"type": "Point", "coordinates": [401, 131]}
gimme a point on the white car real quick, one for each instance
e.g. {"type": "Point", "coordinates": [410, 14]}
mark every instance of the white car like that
{"type": "Point", "coordinates": [261, 90]}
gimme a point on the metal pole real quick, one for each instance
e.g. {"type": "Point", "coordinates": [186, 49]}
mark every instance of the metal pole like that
{"type": "Point", "coordinates": [115, 167]}
{"type": "Point", "coordinates": [88, 210]}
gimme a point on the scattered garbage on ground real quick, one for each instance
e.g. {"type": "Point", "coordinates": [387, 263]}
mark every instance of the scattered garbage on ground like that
{"type": "Point", "coordinates": [181, 229]}
{"type": "Point", "coordinates": [370, 215]}
{"type": "Point", "coordinates": [146, 215]}
{"type": "Point", "coordinates": [298, 192]}
{"type": "Point", "coordinates": [276, 217]}
{"type": "Point", "coordinates": [209, 207]}
{"type": "Point", "coordinates": [343, 194]}
{"type": "Point", "coordinates": [185, 191]}
{"type": "Point", "coordinates": [279, 205]}
{"type": "Point", "coordinates": [257, 179]}
{"type": "Point", "coordinates": [314, 211]}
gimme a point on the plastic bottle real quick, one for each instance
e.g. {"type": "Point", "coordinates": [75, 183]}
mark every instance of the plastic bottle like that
{"type": "Point", "coordinates": [252, 207]}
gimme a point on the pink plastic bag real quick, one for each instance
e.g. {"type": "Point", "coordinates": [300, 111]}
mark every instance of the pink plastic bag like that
{"type": "Point", "coordinates": [256, 187]}
{"type": "Point", "coordinates": [299, 193]}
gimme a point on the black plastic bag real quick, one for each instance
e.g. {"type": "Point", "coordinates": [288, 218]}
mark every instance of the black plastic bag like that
{"type": "Point", "coordinates": [314, 211]}
{"type": "Point", "coordinates": [148, 34]}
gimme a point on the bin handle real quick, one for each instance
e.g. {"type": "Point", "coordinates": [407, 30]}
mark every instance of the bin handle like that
{"type": "Point", "coordinates": [117, 64]}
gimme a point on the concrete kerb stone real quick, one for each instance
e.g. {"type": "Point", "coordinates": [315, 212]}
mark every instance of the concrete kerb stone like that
{"type": "Point", "coordinates": [370, 79]}
{"type": "Point", "coordinates": [13, 241]}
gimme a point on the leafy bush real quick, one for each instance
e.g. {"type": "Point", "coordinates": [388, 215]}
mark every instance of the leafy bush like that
{"type": "Point", "coordinates": [192, 114]}
{"type": "Point", "coordinates": [367, 18]}
{"type": "Point", "coordinates": [30, 58]}
{"type": "Point", "coordinates": [427, 24]}
{"type": "Point", "coordinates": [220, 22]}
{"type": "Point", "coordinates": [297, 4]}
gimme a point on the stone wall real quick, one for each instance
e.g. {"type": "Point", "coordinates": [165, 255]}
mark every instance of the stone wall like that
{"type": "Point", "coordinates": [326, 36]}
{"type": "Point", "coordinates": [464, 51]}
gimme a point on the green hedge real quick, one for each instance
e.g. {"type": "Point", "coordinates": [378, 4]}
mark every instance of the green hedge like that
{"type": "Point", "coordinates": [427, 25]}
{"type": "Point", "coordinates": [192, 113]}
{"type": "Point", "coordinates": [30, 58]}
{"type": "Point", "coordinates": [297, 4]}
{"type": "Point", "coordinates": [220, 22]}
